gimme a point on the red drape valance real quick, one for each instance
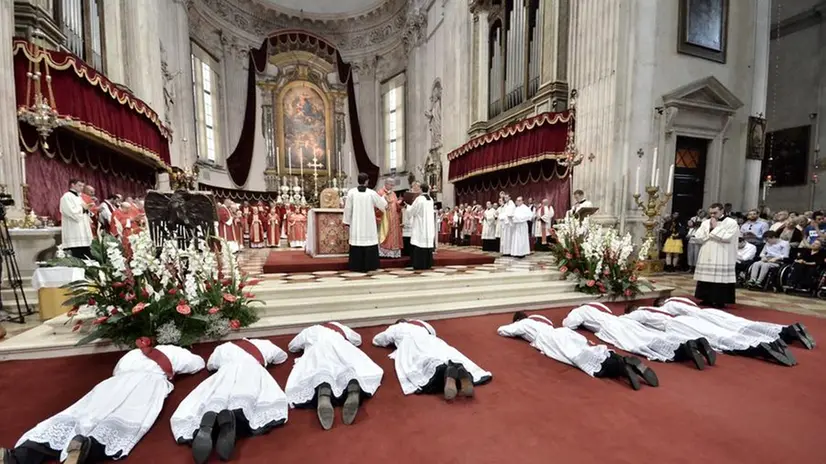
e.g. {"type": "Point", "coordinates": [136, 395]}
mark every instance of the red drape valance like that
{"type": "Point", "coordinates": [539, 138]}
{"type": "Point", "coordinates": [238, 195]}
{"type": "Point", "coordinates": [90, 103]}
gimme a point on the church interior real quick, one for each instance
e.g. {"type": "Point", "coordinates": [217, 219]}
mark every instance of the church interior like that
{"type": "Point", "coordinates": [186, 173]}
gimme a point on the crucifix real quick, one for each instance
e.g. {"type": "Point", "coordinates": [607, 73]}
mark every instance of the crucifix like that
{"type": "Point", "coordinates": [315, 165]}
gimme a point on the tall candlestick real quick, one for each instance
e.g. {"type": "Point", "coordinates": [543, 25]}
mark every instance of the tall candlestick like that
{"type": "Point", "coordinates": [657, 177]}
{"type": "Point", "coordinates": [637, 184]}
{"type": "Point", "coordinates": [23, 166]}
{"type": "Point", "coordinates": [670, 179]}
{"type": "Point", "coordinates": [338, 165]}
{"type": "Point", "coordinates": [301, 161]}
{"type": "Point", "coordinates": [290, 158]}
{"type": "Point", "coordinates": [350, 165]}
{"type": "Point", "coordinates": [654, 174]}
{"type": "Point", "coordinates": [764, 191]}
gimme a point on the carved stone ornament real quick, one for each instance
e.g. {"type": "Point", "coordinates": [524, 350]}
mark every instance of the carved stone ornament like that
{"type": "Point", "coordinates": [415, 29]}
{"type": "Point", "coordinates": [434, 116]}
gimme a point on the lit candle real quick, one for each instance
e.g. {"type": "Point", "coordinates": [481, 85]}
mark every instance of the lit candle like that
{"type": "Point", "coordinates": [290, 158]}
{"type": "Point", "coordinates": [656, 180]}
{"type": "Point", "coordinates": [764, 191]}
{"type": "Point", "coordinates": [654, 174]}
{"type": "Point", "coordinates": [637, 184]}
{"type": "Point", "coordinates": [301, 162]}
{"type": "Point", "coordinates": [23, 166]}
{"type": "Point", "coordinates": [670, 179]}
{"type": "Point", "coordinates": [338, 165]}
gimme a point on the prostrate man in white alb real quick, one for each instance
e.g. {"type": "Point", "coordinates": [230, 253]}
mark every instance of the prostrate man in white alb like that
{"type": "Point", "coordinates": [112, 418]}
{"type": "Point", "coordinates": [423, 224]}
{"type": "Point", "coordinates": [520, 235]}
{"type": "Point", "coordinates": [426, 364]}
{"type": "Point", "coordinates": [633, 337]}
{"type": "Point", "coordinates": [360, 216]}
{"type": "Point", "coordinates": [506, 223]}
{"type": "Point", "coordinates": [716, 264]}
{"type": "Point", "coordinates": [570, 347]}
{"type": "Point", "coordinates": [331, 371]}
{"type": "Point", "coordinates": [240, 399]}
{"type": "Point", "coordinates": [76, 227]}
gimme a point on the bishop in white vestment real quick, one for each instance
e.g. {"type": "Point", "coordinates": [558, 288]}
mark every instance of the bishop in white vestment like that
{"type": "Point", "coordinates": [112, 418]}
{"type": "Point", "coordinates": [520, 235]}
{"type": "Point", "coordinates": [332, 370]}
{"type": "Point", "coordinates": [240, 399]}
{"type": "Point", "coordinates": [75, 223]}
{"type": "Point", "coordinates": [631, 336]}
{"type": "Point", "coordinates": [506, 226]}
{"type": "Point", "coordinates": [716, 263]}
{"type": "Point", "coordinates": [427, 364]}
{"type": "Point", "coordinates": [570, 347]}
{"type": "Point", "coordinates": [360, 215]}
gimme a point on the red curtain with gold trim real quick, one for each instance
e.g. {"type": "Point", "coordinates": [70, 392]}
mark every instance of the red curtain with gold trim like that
{"type": "Point", "coordinates": [91, 103]}
{"type": "Point", "coordinates": [532, 140]}
{"type": "Point", "coordinates": [542, 180]}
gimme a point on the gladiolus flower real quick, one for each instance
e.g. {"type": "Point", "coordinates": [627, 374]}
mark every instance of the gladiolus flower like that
{"type": "Point", "coordinates": [568, 256]}
{"type": "Point", "coordinates": [172, 291]}
{"type": "Point", "coordinates": [183, 308]}
{"type": "Point", "coordinates": [226, 282]}
{"type": "Point", "coordinates": [241, 286]}
{"type": "Point", "coordinates": [633, 278]}
{"type": "Point", "coordinates": [230, 298]}
{"type": "Point", "coordinates": [590, 283]}
{"type": "Point", "coordinates": [100, 320]}
{"type": "Point", "coordinates": [91, 302]}
{"type": "Point", "coordinates": [77, 327]}
{"type": "Point", "coordinates": [144, 293]}
{"type": "Point", "coordinates": [235, 324]}
{"type": "Point", "coordinates": [628, 292]}
{"type": "Point", "coordinates": [115, 311]}
{"type": "Point", "coordinates": [213, 310]}
{"type": "Point", "coordinates": [207, 286]}
{"type": "Point", "coordinates": [129, 297]}
{"type": "Point", "coordinates": [138, 308]}
{"type": "Point", "coordinates": [143, 342]}
{"type": "Point", "coordinates": [253, 282]}
{"type": "Point", "coordinates": [563, 269]}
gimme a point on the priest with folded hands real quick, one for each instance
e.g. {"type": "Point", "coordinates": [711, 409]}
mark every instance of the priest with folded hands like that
{"type": "Point", "coordinates": [360, 216]}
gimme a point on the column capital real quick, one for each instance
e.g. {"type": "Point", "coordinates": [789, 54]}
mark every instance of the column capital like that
{"type": "Point", "coordinates": [30, 15]}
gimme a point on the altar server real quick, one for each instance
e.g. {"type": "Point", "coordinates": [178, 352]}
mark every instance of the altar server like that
{"type": "Point", "coordinates": [489, 228]}
{"type": "Point", "coordinates": [716, 264]}
{"type": "Point", "coordinates": [543, 225]}
{"type": "Point", "coordinates": [240, 399]}
{"type": "Point", "coordinates": [423, 224]}
{"type": "Point", "coordinates": [570, 347]}
{"type": "Point", "coordinates": [506, 225]}
{"type": "Point", "coordinates": [768, 331]}
{"type": "Point", "coordinates": [331, 371]}
{"type": "Point", "coordinates": [631, 336]}
{"type": "Point", "coordinates": [521, 235]}
{"type": "Point", "coordinates": [360, 216]}
{"type": "Point", "coordinates": [110, 420]}
{"type": "Point", "coordinates": [426, 364]}
{"type": "Point", "coordinates": [76, 226]}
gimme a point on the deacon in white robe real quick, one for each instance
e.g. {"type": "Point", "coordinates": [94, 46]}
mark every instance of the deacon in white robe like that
{"type": "Point", "coordinates": [427, 364]}
{"type": "Point", "coordinates": [716, 263]}
{"type": "Point", "coordinates": [755, 330]}
{"type": "Point", "coordinates": [240, 399]}
{"type": "Point", "coordinates": [520, 235]}
{"type": "Point", "coordinates": [489, 229]}
{"type": "Point", "coordinates": [580, 203]}
{"type": "Point", "coordinates": [633, 337]}
{"type": "Point", "coordinates": [499, 215]}
{"type": "Point", "coordinates": [543, 225]}
{"type": "Point", "coordinates": [423, 237]}
{"type": "Point", "coordinates": [112, 418]}
{"type": "Point", "coordinates": [570, 347]}
{"type": "Point", "coordinates": [360, 215]}
{"type": "Point", "coordinates": [407, 230]}
{"type": "Point", "coordinates": [331, 371]}
{"type": "Point", "coordinates": [506, 226]}
{"type": "Point", "coordinates": [75, 223]}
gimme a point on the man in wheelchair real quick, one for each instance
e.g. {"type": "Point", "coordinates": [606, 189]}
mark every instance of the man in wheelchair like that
{"type": "Point", "coordinates": [775, 251]}
{"type": "Point", "coordinates": [746, 254]}
{"type": "Point", "coordinates": [807, 268]}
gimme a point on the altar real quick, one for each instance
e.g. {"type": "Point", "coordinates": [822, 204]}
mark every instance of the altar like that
{"type": "Point", "coordinates": [327, 237]}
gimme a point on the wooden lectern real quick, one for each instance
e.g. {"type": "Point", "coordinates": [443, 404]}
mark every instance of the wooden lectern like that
{"type": "Point", "coordinates": [585, 212]}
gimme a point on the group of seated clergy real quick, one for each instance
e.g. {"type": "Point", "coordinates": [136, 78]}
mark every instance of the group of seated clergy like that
{"type": "Point", "coordinates": [241, 399]}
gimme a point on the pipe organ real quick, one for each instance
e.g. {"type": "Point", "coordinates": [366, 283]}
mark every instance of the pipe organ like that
{"type": "Point", "coordinates": [495, 77]}
{"type": "Point", "coordinates": [80, 22]}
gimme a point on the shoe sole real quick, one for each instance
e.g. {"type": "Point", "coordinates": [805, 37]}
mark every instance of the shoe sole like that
{"type": "Point", "coordinates": [805, 337]}
{"type": "Point", "coordinates": [775, 355]}
{"type": "Point", "coordinates": [202, 442]}
{"type": "Point", "coordinates": [467, 389]}
{"type": "Point", "coordinates": [695, 356]}
{"type": "Point", "coordinates": [326, 413]}
{"type": "Point", "coordinates": [705, 349]}
{"type": "Point", "coordinates": [643, 371]}
{"type": "Point", "coordinates": [631, 375]}
{"type": "Point", "coordinates": [74, 450]}
{"type": "Point", "coordinates": [450, 389]}
{"type": "Point", "coordinates": [225, 443]}
{"type": "Point", "coordinates": [350, 409]}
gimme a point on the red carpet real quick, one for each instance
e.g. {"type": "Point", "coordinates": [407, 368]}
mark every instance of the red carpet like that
{"type": "Point", "coordinates": [535, 410]}
{"type": "Point", "coordinates": [298, 261]}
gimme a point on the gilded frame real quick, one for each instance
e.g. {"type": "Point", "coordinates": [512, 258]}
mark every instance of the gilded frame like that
{"type": "Point", "coordinates": [329, 137]}
{"type": "Point", "coordinates": [684, 44]}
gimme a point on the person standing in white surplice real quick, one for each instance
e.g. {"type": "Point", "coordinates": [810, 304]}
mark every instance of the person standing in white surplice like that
{"type": "Point", "coordinates": [427, 364]}
{"type": "Point", "coordinates": [520, 235]}
{"type": "Point", "coordinates": [331, 371]}
{"type": "Point", "coordinates": [76, 228]}
{"type": "Point", "coordinates": [240, 399]}
{"type": "Point", "coordinates": [570, 347]}
{"type": "Point", "coordinates": [423, 237]}
{"type": "Point", "coordinates": [543, 225]}
{"type": "Point", "coordinates": [112, 418]}
{"type": "Point", "coordinates": [360, 216]}
{"type": "Point", "coordinates": [716, 273]}
{"type": "Point", "coordinates": [489, 228]}
{"type": "Point", "coordinates": [506, 224]}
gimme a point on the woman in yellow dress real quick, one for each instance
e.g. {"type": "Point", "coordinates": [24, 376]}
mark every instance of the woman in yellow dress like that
{"type": "Point", "coordinates": [673, 246]}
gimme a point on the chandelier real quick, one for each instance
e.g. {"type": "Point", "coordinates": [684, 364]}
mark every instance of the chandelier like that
{"type": "Point", "coordinates": [571, 156]}
{"type": "Point", "coordinates": [39, 113]}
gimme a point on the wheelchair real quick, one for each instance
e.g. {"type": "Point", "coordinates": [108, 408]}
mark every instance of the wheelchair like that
{"type": "Point", "coordinates": [818, 287]}
{"type": "Point", "coordinates": [775, 279]}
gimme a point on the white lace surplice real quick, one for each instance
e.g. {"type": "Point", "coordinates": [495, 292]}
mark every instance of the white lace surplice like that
{"type": "Point", "coordinates": [419, 352]}
{"type": "Point", "coordinates": [120, 410]}
{"type": "Point", "coordinates": [561, 344]}
{"type": "Point", "coordinates": [329, 358]}
{"type": "Point", "coordinates": [240, 382]}
{"type": "Point", "coordinates": [756, 331]}
{"type": "Point", "coordinates": [691, 328]}
{"type": "Point", "coordinates": [625, 334]}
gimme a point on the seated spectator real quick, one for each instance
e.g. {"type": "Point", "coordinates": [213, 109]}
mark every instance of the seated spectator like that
{"type": "Point", "coordinates": [807, 267]}
{"type": "Point", "coordinates": [746, 253]}
{"type": "Point", "coordinates": [790, 233]}
{"type": "Point", "coordinates": [781, 219]}
{"type": "Point", "coordinates": [774, 252]}
{"type": "Point", "coordinates": [753, 228]}
{"type": "Point", "coordinates": [816, 229]}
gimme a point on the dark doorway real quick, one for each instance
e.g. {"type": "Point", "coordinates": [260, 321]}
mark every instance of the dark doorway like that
{"type": "Point", "coordinates": [689, 175]}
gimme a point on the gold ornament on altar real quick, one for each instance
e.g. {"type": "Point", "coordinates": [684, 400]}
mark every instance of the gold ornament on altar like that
{"type": "Point", "coordinates": [38, 111]}
{"type": "Point", "coordinates": [329, 198]}
{"type": "Point", "coordinates": [184, 179]}
{"type": "Point", "coordinates": [652, 209]}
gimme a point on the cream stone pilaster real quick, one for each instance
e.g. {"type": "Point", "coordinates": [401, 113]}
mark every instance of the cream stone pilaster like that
{"type": "Point", "coordinates": [113, 39]}
{"type": "Point", "coordinates": [142, 51]}
{"type": "Point", "coordinates": [10, 166]}
{"type": "Point", "coordinates": [177, 81]}
{"type": "Point", "coordinates": [762, 31]}
{"type": "Point", "coordinates": [481, 62]}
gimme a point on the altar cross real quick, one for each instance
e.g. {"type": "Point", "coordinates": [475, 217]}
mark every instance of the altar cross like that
{"type": "Point", "coordinates": [315, 164]}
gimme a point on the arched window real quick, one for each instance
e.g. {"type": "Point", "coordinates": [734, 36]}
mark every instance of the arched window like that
{"type": "Point", "coordinates": [514, 54]}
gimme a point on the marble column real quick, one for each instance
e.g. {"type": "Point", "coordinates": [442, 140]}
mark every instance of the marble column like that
{"type": "Point", "coordinates": [142, 51]}
{"type": "Point", "coordinates": [10, 166]}
{"type": "Point", "coordinates": [762, 31]}
{"type": "Point", "coordinates": [113, 38]}
{"type": "Point", "coordinates": [175, 39]}
{"type": "Point", "coordinates": [482, 62]}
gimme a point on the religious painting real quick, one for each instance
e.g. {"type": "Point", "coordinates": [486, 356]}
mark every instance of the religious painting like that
{"type": "Point", "coordinates": [786, 156]}
{"type": "Point", "coordinates": [756, 140]}
{"type": "Point", "coordinates": [304, 120]}
{"type": "Point", "coordinates": [703, 29]}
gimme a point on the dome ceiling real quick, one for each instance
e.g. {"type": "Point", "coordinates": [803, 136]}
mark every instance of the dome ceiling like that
{"type": "Point", "coordinates": [327, 7]}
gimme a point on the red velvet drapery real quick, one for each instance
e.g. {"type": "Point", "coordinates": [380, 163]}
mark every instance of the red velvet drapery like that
{"type": "Point", "coordinates": [90, 102]}
{"type": "Point", "coordinates": [539, 181]}
{"type": "Point", "coordinates": [240, 161]}
{"type": "Point", "coordinates": [68, 156]}
{"type": "Point", "coordinates": [238, 196]}
{"type": "Point", "coordinates": [539, 138]}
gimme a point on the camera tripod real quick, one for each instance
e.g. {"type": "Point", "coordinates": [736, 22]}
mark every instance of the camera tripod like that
{"type": "Point", "coordinates": [10, 267]}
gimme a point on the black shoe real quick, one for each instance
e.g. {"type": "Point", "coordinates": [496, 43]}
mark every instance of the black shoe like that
{"type": "Point", "coordinates": [805, 337]}
{"type": "Point", "coordinates": [705, 349]}
{"type": "Point", "coordinates": [202, 443]}
{"type": "Point", "coordinates": [324, 409]}
{"type": "Point", "coordinates": [766, 351]}
{"type": "Point", "coordinates": [225, 443]}
{"type": "Point", "coordinates": [465, 383]}
{"type": "Point", "coordinates": [351, 404]}
{"type": "Point", "coordinates": [78, 450]}
{"type": "Point", "coordinates": [640, 369]}
{"type": "Point", "coordinates": [691, 353]}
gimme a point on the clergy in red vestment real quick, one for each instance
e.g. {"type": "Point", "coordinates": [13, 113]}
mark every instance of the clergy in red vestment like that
{"type": "Point", "coordinates": [390, 224]}
{"type": "Point", "coordinates": [226, 229]}
{"type": "Point", "coordinates": [88, 197]}
{"type": "Point", "coordinates": [246, 220]}
{"type": "Point", "coordinates": [297, 231]}
{"type": "Point", "coordinates": [238, 225]}
{"type": "Point", "coordinates": [273, 226]}
{"type": "Point", "coordinates": [256, 227]}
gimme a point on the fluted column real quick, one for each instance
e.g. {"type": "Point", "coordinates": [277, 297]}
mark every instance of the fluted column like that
{"type": "Point", "coordinates": [178, 83]}
{"type": "Point", "coordinates": [10, 167]}
{"type": "Point", "coordinates": [113, 40]}
{"type": "Point", "coordinates": [482, 77]}
{"type": "Point", "coordinates": [142, 51]}
{"type": "Point", "coordinates": [762, 30]}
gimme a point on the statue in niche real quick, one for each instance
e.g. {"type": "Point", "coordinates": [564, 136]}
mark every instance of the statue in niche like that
{"type": "Point", "coordinates": [168, 91]}
{"type": "Point", "coordinates": [434, 116]}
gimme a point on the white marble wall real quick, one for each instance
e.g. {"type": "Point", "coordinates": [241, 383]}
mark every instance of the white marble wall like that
{"type": "Point", "coordinates": [10, 168]}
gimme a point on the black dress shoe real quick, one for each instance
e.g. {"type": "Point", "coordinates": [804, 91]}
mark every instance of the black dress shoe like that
{"type": "Point", "coordinates": [202, 443]}
{"type": "Point", "coordinates": [351, 404]}
{"type": "Point", "coordinates": [225, 443]}
{"type": "Point", "coordinates": [766, 351]}
{"type": "Point", "coordinates": [451, 382]}
{"type": "Point", "coordinates": [705, 349]}
{"type": "Point", "coordinates": [465, 383]}
{"type": "Point", "coordinates": [324, 409]}
{"type": "Point", "coordinates": [640, 369]}
{"type": "Point", "coordinates": [693, 354]}
{"type": "Point", "coordinates": [78, 450]}
{"type": "Point", "coordinates": [805, 337]}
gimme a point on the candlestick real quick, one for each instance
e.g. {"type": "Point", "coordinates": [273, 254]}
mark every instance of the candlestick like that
{"type": "Point", "coordinates": [764, 191]}
{"type": "Point", "coordinates": [338, 165]}
{"type": "Point", "coordinates": [652, 209]}
{"type": "Point", "coordinates": [656, 178]}
{"type": "Point", "coordinates": [277, 164]}
{"type": "Point", "coordinates": [654, 167]}
{"type": "Point", "coordinates": [23, 165]}
{"type": "Point", "coordinates": [290, 158]}
{"type": "Point", "coordinates": [301, 161]}
{"type": "Point", "coordinates": [670, 179]}
{"type": "Point", "coordinates": [350, 165]}
{"type": "Point", "coordinates": [637, 184]}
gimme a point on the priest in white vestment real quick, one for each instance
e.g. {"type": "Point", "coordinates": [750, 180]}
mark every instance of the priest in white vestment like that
{"type": "Point", "coordinates": [240, 399]}
{"type": "Point", "coordinates": [360, 215]}
{"type": "Point", "coordinates": [75, 222]}
{"type": "Point", "coordinates": [756, 330]}
{"type": "Point", "coordinates": [715, 273]}
{"type": "Point", "coordinates": [580, 203]}
{"type": "Point", "coordinates": [427, 364]}
{"type": "Point", "coordinates": [543, 225]}
{"type": "Point", "coordinates": [331, 371]}
{"type": "Point", "coordinates": [506, 226]}
{"type": "Point", "coordinates": [489, 229]}
{"type": "Point", "coordinates": [633, 337]}
{"type": "Point", "coordinates": [571, 348]}
{"type": "Point", "coordinates": [112, 418]}
{"type": "Point", "coordinates": [520, 235]}
{"type": "Point", "coordinates": [407, 230]}
{"type": "Point", "coordinates": [423, 237]}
